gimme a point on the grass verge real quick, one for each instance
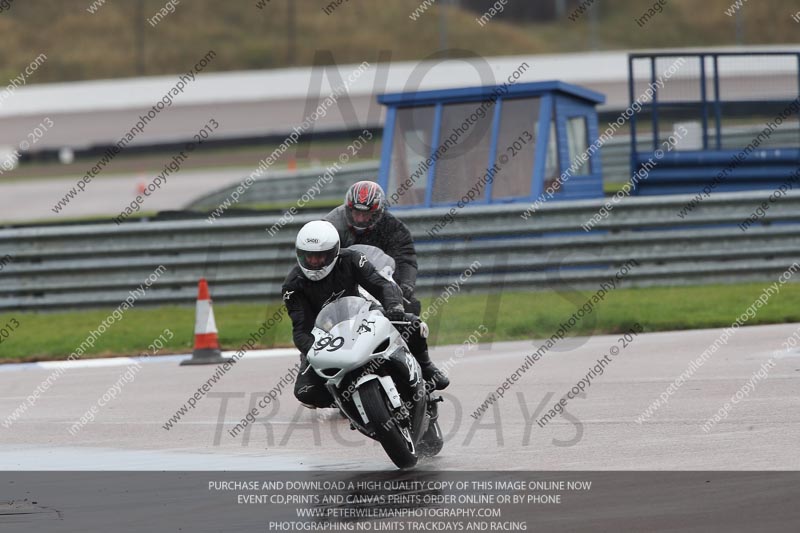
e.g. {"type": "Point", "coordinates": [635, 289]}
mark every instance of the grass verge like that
{"type": "Point", "coordinates": [115, 42]}
{"type": "Point", "coordinates": [522, 315]}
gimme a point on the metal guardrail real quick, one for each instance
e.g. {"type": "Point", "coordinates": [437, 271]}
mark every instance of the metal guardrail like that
{"type": "Point", "coordinates": [96, 265]}
{"type": "Point", "coordinates": [616, 154]}
{"type": "Point", "coordinates": [289, 185]}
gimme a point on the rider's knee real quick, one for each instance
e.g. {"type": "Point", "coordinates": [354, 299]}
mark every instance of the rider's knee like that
{"type": "Point", "coordinates": [312, 395]}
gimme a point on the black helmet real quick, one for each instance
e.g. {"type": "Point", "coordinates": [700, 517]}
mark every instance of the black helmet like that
{"type": "Point", "coordinates": [364, 205]}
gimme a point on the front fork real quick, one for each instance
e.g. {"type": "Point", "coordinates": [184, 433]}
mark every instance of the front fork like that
{"type": "Point", "coordinates": [413, 410]}
{"type": "Point", "coordinates": [389, 388]}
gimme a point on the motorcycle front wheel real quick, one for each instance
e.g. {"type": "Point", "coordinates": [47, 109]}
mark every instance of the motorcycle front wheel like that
{"type": "Point", "coordinates": [396, 442]}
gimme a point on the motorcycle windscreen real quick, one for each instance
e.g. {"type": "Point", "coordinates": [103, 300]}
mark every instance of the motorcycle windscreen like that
{"type": "Point", "coordinates": [339, 311]}
{"type": "Point", "coordinates": [379, 259]}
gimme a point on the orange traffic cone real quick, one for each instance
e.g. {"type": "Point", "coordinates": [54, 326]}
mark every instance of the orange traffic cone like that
{"type": "Point", "coordinates": [206, 341]}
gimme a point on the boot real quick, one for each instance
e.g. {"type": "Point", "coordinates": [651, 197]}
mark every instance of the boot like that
{"type": "Point", "coordinates": [432, 374]}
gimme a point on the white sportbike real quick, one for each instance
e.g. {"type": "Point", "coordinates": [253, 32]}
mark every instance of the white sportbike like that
{"type": "Point", "coordinates": [373, 377]}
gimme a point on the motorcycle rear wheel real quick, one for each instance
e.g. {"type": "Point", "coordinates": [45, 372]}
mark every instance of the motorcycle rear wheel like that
{"type": "Point", "coordinates": [432, 441]}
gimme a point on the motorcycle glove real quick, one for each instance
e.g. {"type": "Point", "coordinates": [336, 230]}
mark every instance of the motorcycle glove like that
{"type": "Point", "coordinates": [407, 290]}
{"type": "Point", "coordinates": [396, 314]}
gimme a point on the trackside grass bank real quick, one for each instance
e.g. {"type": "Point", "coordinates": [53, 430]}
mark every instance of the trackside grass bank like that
{"type": "Point", "coordinates": [521, 315]}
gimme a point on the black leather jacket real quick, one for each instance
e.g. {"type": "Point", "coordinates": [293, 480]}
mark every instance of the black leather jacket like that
{"type": "Point", "coordinates": [304, 298]}
{"type": "Point", "coordinates": [390, 235]}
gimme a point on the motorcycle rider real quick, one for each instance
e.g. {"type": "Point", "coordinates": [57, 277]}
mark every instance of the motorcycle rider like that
{"type": "Point", "coordinates": [326, 272]}
{"type": "Point", "coordinates": [363, 219]}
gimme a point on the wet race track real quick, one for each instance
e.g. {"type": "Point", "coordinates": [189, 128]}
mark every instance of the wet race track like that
{"type": "Point", "coordinates": [595, 437]}
{"type": "Point", "coordinates": [598, 430]}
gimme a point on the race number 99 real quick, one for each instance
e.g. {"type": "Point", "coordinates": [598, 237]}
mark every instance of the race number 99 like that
{"type": "Point", "coordinates": [331, 343]}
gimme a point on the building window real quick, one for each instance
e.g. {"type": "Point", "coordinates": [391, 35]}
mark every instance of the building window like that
{"type": "Point", "coordinates": [464, 142]}
{"type": "Point", "coordinates": [551, 165]}
{"type": "Point", "coordinates": [411, 147]}
{"type": "Point", "coordinates": [578, 142]}
{"type": "Point", "coordinates": [516, 141]}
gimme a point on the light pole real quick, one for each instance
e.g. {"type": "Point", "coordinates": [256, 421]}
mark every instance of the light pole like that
{"type": "Point", "coordinates": [138, 31]}
{"type": "Point", "coordinates": [561, 9]}
{"type": "Point", "coordinates": [290, 33]}
{"type": "Point", "coordinates": [594, 15]}
{"type": "Point", "coordinates": [739, 27]}
{"type": "Point", "coordinates": [442, 27]}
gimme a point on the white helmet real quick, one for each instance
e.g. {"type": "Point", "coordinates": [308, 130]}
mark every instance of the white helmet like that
{"type": "Point", "coordinates": [317, 248]}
